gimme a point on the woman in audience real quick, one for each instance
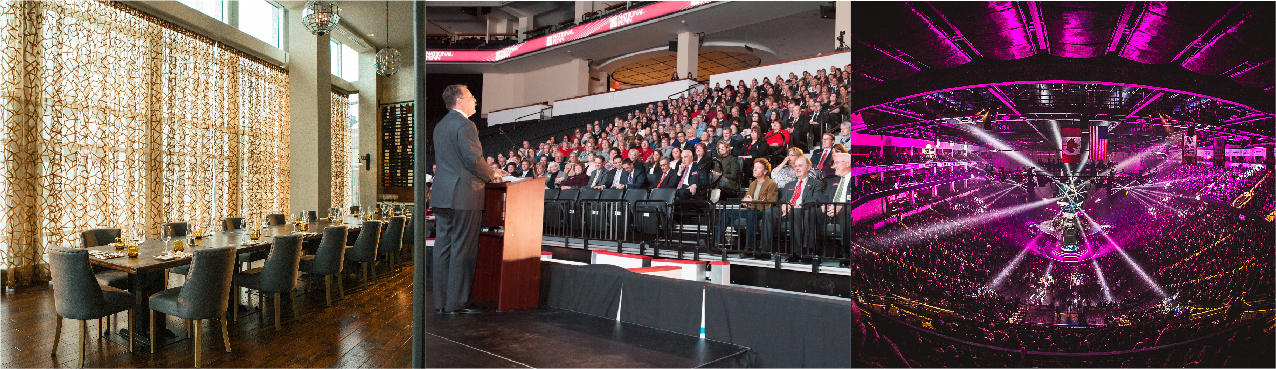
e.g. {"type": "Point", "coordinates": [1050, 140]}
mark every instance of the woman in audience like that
{"type": "Point", "coordinates": [844, 136]}
{"type": "Point", "coordinates": [576, 177]}
{"type": "Point", "coordinates": [784, 173]}
{"type": "Point", "coordinates": [729, 168]}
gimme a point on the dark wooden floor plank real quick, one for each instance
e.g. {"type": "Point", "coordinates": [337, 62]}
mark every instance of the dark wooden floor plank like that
{"type": "Point", "coordinates": [371, 326]}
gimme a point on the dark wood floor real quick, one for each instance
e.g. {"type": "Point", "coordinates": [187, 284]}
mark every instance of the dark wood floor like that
{"type": "Point", "coordinates": [371, 327]}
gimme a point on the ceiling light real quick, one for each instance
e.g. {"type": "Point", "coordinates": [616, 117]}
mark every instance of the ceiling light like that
{"type": "Point", "coordinates": [388, 58]}
{"type": "Point", "coordinates": [320, 17]}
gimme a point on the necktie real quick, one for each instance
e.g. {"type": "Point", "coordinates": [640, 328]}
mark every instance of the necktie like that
{"type": "Point", "coordinates": [822, 157]}
{"type": "Point", "coordinates": [797, 194]}
{"type": "Point", "coordinates": [686, 170]}
{"type": "Point", "coordinates": [662, 179]}
{"type": "Point", "coordinates": [841, 190]}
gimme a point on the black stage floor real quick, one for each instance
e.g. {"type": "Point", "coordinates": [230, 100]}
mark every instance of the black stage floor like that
{"type": "Point", "coordinates": [551, 337]}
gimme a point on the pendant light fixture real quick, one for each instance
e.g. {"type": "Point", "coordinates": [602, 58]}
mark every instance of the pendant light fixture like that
{"type": "Point", "coordinates": [320, 17]}
{"type": "Point", "coordinates": [388, 57]}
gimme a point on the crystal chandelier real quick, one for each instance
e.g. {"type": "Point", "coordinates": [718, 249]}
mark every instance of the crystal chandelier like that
{"type": "Point", "coordinates": [320, 17]}
{"type": "Point", "coordinates": [388, 57]}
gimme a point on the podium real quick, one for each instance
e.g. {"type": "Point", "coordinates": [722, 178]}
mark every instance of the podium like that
{"type": "Point", "coordinates": [508, 270]}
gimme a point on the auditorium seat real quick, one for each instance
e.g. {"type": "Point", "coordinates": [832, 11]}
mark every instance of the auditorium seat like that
{"type": "Point", "coordinates": [651, 214]}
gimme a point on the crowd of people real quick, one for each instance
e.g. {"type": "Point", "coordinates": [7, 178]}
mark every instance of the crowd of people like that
{"type": "Point", "coordinates": [758, 119]}
{"type": "Point", "coordinates": [1203, 257]}
{"type": "Point", "coordinates": [1222, 184]}
{"type": "Point", "coordinates": [876, 157]}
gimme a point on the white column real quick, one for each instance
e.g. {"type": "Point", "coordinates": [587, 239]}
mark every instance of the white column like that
{"type": "Point", "coordinates": [310, 147]}
{"type": "Point", "coordinates": [688, 54]}
{"type": "Point", "coordinates": [842, 21]}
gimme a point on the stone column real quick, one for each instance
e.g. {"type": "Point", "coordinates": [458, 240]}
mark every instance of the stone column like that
{"type": "Point", "coordinates": [688, 54]}
{"type": "Point", "coordinates": [842, 22]}
{"type": "Point", "coordinates": [310, 148]}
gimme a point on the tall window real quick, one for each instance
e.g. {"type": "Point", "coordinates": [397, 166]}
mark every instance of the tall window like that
{"type": "Point", "coordinates": [340, 150]}
{"type": "Point", "coordinates": [170, 126]}
{"type": "Point", "coordinates": [345, 62]}
{"type": "Point", "coordinates": [355, 164]}
{"type": "Point", "coordinates": [258, 18]}
{"type": "Point", "coordinates": [262, 20]}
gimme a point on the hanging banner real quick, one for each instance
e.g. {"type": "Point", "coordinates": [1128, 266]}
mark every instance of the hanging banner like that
{"type": "Point", "coordinates": [1071, 151]}
{"type": "Point", "coordinates": [1189, 146]}
{"type": "Point", "coordinates": [1099, 142]}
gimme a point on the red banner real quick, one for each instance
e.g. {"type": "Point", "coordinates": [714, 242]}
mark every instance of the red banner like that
{"type": "Point", "coordinates": [1071, 152]}
{"type": "Point", "coordinates": [620, 20]}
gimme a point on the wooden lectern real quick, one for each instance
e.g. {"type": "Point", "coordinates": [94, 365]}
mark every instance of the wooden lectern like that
{"type": "Point", "coordinates": [509, 262]}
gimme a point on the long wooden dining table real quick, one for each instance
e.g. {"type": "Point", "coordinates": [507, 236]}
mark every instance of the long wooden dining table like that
{"type": "Point", "coordinates": [147, 272]}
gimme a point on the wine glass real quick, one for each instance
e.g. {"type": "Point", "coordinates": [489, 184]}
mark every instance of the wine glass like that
{"type": "Point", "coordinates": [166, 235]}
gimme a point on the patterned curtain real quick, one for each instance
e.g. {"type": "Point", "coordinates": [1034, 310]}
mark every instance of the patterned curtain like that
{"type": "Point", "coordinates": [112, 118]}
{"type": "Point", "coordinates": [340, 150]}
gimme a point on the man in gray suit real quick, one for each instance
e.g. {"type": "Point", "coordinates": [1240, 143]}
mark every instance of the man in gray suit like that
{"type": "Point", "coordinates": [457, 200]}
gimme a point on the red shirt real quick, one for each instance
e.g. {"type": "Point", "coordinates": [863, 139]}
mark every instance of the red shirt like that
{"type": "Point", "coordinates": [646, 153]}
{"type": "Point", "coordinates": [780, 138]}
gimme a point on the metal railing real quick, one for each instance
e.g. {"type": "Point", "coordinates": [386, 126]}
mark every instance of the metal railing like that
{"type": "Point", "coordinates": [812, 233]}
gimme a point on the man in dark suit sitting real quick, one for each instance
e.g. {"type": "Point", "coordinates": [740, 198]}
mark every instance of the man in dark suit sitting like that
{"type": "Point", "coordinates": [692, 180]}
{"type": "Point", "coordinates": [629, 177]}
{"type": "Point", "coordinates": [795, 194]}
{"type": "Point", "coordinates": [601, 178]}
{"type": "Point", "coordinates": [822, 158]}
{"type": "Point", "coordinates": [665, 176]}
{"type": "Point", "coordinates": [457, 199]}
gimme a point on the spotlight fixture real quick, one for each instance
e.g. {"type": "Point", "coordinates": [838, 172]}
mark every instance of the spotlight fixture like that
{"type": "Point", "coordinates": [320, 17]}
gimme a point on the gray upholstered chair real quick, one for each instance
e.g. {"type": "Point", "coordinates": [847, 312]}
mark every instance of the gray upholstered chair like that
{"type": "Point", "coordinates": [392, 240]}
{"type": "Point", "coordinates": [175, 229]}
{"type": "Point", "coordinates": [327, 261]}
{"type": "Point", "coordinates": [276, 219]}
{"type": "Point", "coordinates": [101, 237]}
{"type": "Point", "coordinates": [233, 223]}
{"type": "Point", "coordinates": [238, 223]}
{"type": "Point", "coordinates": [77, 294]}
{"type": "Point", "coordinates": [205, 295]}
{"type": "Point", "coordinates": [278, 275]}
{"type": "Point", "coordinates": [408, 234]}
{"type": "Point", "coordinates": [365, 246]}
{"type": "Point", "coordinates": [312, 215]}
{"type": "Point", "coordinates": [354, 209]}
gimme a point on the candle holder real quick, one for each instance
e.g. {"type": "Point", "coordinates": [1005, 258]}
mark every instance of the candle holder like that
{"type": "Point", "coordinates": [119, 243]}
{"type": "Point", "coordinates": [254, 234]}
{"type": "Point", "coordinates": [132, 250]}
{"type": "Point", "coordinates": [179, 245]}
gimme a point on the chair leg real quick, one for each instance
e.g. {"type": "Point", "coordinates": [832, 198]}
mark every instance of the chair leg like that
{"type": "Point", "coordinates": [84, 331]}
{"type": "Point", "coordinates": [57, 335]}
{"type": "Point", "coordinates": [225, 334]}
{"type": "Point", "coordinates": [364, 265]}
{"type": "Point", "coordinates": [198, 347]}
{"type": "Point", "coordinates": [277, 314]}
{"type": "Point", "coordinates": [341, 287]}
{"type": "Point", "coordinates": [188, 328]}
{"type": "Point", "coordinates": [152, 336]}
{"type": "Point", "coordinates": [235, 308]}
{"type": "Point", "coordinates": [292, 299]}
{"type": "Point", "coordinates": [327, 289]}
